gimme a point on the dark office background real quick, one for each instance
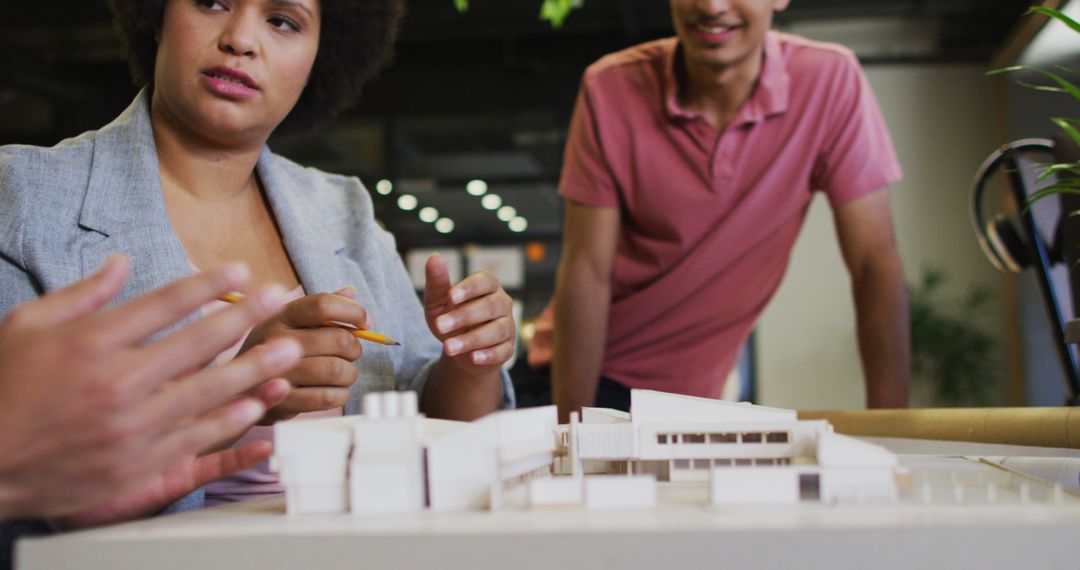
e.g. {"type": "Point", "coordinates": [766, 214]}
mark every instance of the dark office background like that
{"type": "Point", "coordinates": [485, 94]}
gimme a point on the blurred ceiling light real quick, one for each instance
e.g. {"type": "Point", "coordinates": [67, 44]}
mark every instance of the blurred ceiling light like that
{"type": "Point", "coordinates": [384, 187]}
{"type": "Point", "coordinates": [429, 214]}
{"type": "Point", "coordinates": [518, 224]}
{"type": "Point", "coordinates": [407, 202]}
{"type": "Point", "coordinates": [491, 202]}
{"type": "Point", "coordinates": [476, 187]}
{"type": "Point", "coordinates": [444, 225]}
{"type": "Point", "coordinates": [506, 213]}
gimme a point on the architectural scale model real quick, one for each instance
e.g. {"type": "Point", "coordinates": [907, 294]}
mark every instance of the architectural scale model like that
{"type": "Point", "coordinates": [393, 460]}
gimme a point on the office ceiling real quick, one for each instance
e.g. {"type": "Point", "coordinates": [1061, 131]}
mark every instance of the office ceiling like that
{"type": "Point", "coordinates": [485, 94]}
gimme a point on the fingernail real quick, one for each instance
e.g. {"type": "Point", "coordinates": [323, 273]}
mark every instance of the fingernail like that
{"type": "Point", "coordinates": [454, 346]}
{"type": "Point", "coordinates": [480, 357]}
{"type": "Point", "coordinates": [271, 298]}
{"type": "Point", "coordinates": [236, 273]}
{"type": "Point", "coordinates": [444, 323]}
{"type": "Point", "coordinates": [249, 411]}
{"type": "Point", "coordinates": [457, 295]}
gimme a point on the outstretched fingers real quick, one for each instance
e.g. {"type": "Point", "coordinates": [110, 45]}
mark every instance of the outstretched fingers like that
{"type": "Point", "coordinates": [202, 341]}
{"type": "Point", "coordinates": [81, 298]}
{"type": "Point", "coordinates": [132, 322]}
{"type": "Point", "coordinates": [213, 388]}
{"type": "Point", "coordinates": [214, 466]}
{"type": "Point", "coordinates": [210, 431]}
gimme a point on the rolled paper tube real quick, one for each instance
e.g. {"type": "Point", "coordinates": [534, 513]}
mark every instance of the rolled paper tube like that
{"type": "Point", "coordinates": [1038, 427]}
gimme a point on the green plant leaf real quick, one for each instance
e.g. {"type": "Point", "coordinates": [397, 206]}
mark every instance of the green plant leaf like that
{"type": "Point", "coordinates": [951, 352]}
{"type": "Point", "coordinates": [1047, 192]}
{"type": "Point", "coordinates": [1067, 183]}
{"type": "Point", "coordinates": [1056, 15]}
{"type": "Point", "coordinates": [556, 11]}
{"type": "Point", "coordinates": [1063, 84]}
{"type": "Point", "coordinates": [1065, 125]}
{"type": "Point", "coordinates": [1049, 170]}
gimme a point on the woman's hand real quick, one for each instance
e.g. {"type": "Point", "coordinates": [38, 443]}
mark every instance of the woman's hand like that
{"type": "Point", "coordinates": [321, 379]}
{"type": "Point", "coordinates": [472, 319]}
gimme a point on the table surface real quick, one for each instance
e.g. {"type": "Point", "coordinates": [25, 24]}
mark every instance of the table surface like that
{"type": "Point", "coordinates": [991, 530]}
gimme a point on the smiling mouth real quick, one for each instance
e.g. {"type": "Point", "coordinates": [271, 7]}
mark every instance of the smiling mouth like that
{"type": "Point", "coordinates": [715, 29]}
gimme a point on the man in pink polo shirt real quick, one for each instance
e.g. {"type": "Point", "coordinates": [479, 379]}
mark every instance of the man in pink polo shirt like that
{"type": "Point", "coordinates": [689, 168]}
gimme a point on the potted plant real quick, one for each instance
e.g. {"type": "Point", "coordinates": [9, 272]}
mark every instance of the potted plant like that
{"type": "Point", "coordinates": [952, 355]}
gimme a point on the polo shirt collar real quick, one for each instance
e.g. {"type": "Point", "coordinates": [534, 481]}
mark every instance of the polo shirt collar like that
{"type": "Point", "coordinates": [770, 97]}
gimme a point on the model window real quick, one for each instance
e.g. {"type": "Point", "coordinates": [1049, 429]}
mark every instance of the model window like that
{"type": "Point", "coordinates": [723, 438]}
{"type": "Point", "coordinates": [682, 463]}
{"type": "Point", "coordinates": [810, 487]}
{"type": "Point", "coordinates": [693, 438]}
{"type": "Point", "coordinates": [725, 462]}
{"type": "Point", "coordinates": [661, 438]}
{"type": "Point", "coordinates": [777, 437]}
{"type": "Point", "coordinates": [744, 462]}
{"type": "Point", "coordinates": [754, 437]}
{"type": "Point", "coordinates": [701, 464]}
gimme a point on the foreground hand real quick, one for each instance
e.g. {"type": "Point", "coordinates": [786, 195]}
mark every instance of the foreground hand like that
{"type": "Point", "coordinates": [183, 477]}
{"type": "Point", "coordinates": [321, 379]}
{"type": "Point", "coordinates": [91, 410]}
{"type": "Point", "coordinates": [472, 319]}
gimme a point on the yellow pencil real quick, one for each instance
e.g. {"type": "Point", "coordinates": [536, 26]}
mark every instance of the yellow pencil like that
{"type": "Point", "coordinates": [358, 333]}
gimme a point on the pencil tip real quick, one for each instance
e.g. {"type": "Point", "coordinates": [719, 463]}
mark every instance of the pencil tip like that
{"type": "Point", "coordinates": [396, 343]}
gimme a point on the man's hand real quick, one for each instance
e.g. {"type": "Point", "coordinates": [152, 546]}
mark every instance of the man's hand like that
{"type": "Point", "coordinates": [322, 377]}
{"type": "Point", "coordinates": [91, 410]}
{"type": "Point", "coordinates": [183, 477]}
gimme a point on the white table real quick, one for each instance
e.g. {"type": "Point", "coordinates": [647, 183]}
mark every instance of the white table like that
{"type": "Point", "coordinates": [679, 533]}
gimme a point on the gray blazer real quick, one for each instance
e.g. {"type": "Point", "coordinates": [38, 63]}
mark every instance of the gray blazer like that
{"type": "Point", "coordinates": [64, 209]}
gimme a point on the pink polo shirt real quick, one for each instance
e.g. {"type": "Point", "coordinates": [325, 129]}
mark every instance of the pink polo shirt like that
{"type": "Point", "coordinates": [708, 218]}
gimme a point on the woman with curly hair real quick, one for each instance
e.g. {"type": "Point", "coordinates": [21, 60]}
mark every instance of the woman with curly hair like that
{"type": "Point", "coordinates": [183, 180]}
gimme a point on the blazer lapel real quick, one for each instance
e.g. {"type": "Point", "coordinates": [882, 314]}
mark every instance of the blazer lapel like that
{"type": "Point", "coordinates": [313, 237]}
{"type": "Point", "coordinates": [306, 230]}
{"type": "Point", "coordinates": [125, 205]}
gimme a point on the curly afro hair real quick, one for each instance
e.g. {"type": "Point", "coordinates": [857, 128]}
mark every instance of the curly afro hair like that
{"type": "Point", "coordinates": [356, 40]}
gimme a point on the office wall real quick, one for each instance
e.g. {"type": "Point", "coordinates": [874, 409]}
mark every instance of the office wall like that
{"type": "Point", "coordinates": [943, 123]}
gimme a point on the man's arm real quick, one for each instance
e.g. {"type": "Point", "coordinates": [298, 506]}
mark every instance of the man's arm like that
{"type": "Point", "coordinates": [582, 300]}
{"type": "Point", "coordinates": [865, 231]}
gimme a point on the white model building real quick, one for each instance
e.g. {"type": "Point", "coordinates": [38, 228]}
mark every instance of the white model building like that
{"type": "Point", "coordinates": [393, 460]}
{"type": "Point", "coordinates": [745, 453]}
